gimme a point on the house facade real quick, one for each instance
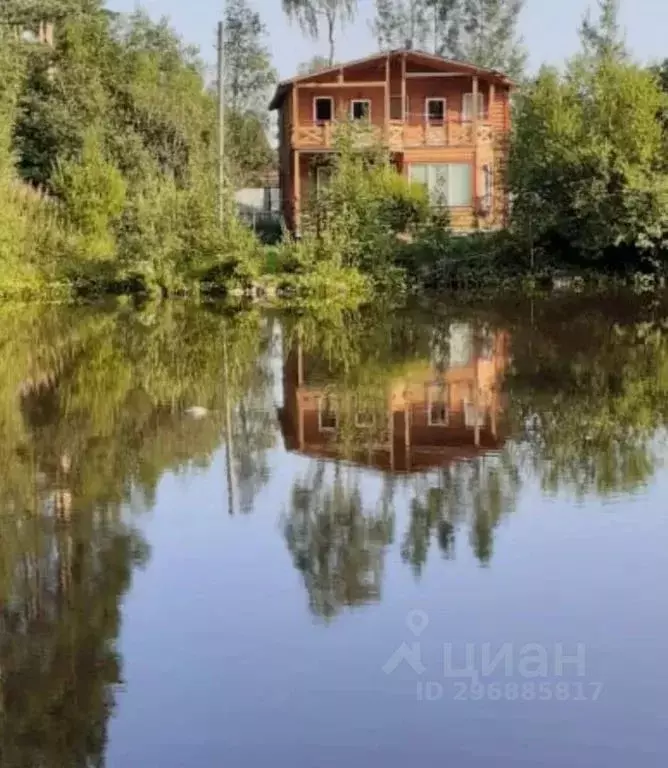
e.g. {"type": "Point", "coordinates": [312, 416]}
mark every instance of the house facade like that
{"type": "Point", "coordinates": [445, 123]}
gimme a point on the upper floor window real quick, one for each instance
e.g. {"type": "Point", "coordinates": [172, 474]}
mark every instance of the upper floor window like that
{"type": "Point", "coordinates": [435, 111]}
{"type": "Point", "coordinates": [467, 107]}
{"type": "Point", "coordinates": [323, 109]}
{"type": "Point", "coordinates": [360, 109]}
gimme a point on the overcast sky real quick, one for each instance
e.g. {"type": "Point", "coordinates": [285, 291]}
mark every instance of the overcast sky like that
{"type": "Point", "coordinates": [549, 28]}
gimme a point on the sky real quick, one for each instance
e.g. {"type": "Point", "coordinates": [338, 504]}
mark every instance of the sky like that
{"type": "Point", "coordinates": [549, 28]}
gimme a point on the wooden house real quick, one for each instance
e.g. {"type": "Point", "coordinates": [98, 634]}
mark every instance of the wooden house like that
{"type": "Point", "coordinates": [445, 123]}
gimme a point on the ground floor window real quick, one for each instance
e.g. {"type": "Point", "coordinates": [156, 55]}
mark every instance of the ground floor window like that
{"type": "Point", "coordinates": [448, 183]}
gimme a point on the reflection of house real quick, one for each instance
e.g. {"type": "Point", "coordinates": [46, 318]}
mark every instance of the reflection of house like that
{"type": "Point", "coordinates": [425, 416]}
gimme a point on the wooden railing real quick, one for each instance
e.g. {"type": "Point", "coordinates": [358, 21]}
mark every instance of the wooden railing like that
{"type": "Point", "coordinates": [398, 135]}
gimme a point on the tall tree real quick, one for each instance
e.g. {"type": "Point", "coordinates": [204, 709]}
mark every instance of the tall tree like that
{"type": "Point", "coordinates": [603, 38]}
{"type": "Point", "coordinates": [427, 24]}
{"type": "Point", "coordinates": [487, 34]}
{"type": "Point", "coordinates": [249, 71]}
{"type": "Point", "coordinates": [313, 15]}
{"type": "Point", "coordinates": [400, 23]}
{"type": "Point", "coordinates": [586, 167]}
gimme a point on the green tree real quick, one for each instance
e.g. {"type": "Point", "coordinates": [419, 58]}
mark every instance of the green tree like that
{"type": "Point", "coordinates": [249, 74]}
{"type": "Point", "coordinates": [400, 23]}
{"type": "Point", "coordinates": [486, 34]}
{"type": "Point", "coordinates": [586, 160]}
{"type": "Point", "coordinates": [313, 15]}
{"type": "Point", "coordinates": [603, 39]}
{"type": "Point", "coordinates": [93, 194]}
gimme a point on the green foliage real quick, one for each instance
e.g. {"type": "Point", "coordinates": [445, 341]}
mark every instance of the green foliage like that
{"type": "Point", "coordinates": [92, 192]}
{"type": "Point", "coordinates": [586, 161]}
{"type": "Point", "coordinates": [483, 32]}
{"type": "Point", "coordinates": [353, 222]}
{"type": "Point", "coordinates": [249, 74]}
{"type": "Point", "coordinates": [115, 126]}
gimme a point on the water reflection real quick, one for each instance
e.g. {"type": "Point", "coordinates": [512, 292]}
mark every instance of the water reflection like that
{"type": "Point", "coordinates": [412, 430]}
{"type": "Point", "coordinates": [95, 407]}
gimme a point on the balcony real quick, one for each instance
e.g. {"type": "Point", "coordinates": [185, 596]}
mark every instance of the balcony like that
{"type": "Point", "coordinates": [397, 134]}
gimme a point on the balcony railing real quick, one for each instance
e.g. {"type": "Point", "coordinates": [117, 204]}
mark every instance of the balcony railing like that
{"type": "Point", "coordinates": [398, 135]}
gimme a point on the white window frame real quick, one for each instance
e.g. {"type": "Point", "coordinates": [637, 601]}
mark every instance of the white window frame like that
{"type": "Point", "coordinates": [316, 99]}
{"type": "Point", "coordinates": [333, 403]}
{"type": "Point", "coordinates": [360, 101]}
{"type": "Point", "coordinates": [444, 389]}
{"type": "Point", "coordinates": [427, 118]}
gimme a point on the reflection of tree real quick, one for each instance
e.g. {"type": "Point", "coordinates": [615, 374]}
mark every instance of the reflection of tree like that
{"type": "Point", "coordinates": [337, 546]}
{"type": "Point", "coordinates": [58, 626]}
{"type": "Point", "coordinates": [93, 412]}
{"type": "Point", "coordinates": [588, 397]}
{"type": "Point", "coordinates": [474, 495]}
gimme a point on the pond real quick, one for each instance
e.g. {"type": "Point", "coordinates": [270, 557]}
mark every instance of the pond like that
{"type": "Point", "coordinates": [423, 536]}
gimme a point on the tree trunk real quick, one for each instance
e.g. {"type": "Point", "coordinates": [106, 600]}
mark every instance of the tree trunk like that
{"type": "Point", "coordinates": [331, 19]}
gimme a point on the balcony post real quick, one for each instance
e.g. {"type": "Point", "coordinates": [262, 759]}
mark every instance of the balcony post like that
{"type": "Point", "coordinates": [296, 191]}
{"type": "Point", "coordinates": [474, 129]}
{"type": "Point", "coordinates": [387, 98]}
{"type": "Point", "coordinates": [403, 86]}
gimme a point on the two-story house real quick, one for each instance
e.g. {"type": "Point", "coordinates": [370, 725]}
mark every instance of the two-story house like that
{"type": "Point", "coordinates": [445, 123]}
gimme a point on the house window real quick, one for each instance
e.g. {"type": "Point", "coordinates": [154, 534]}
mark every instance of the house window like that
{"type": "Point", "coordinates": [328, 418]}
{"type": "Point", "coordinates": [448, 184]}
{"type": "Point", "coordinates": [437, 405]}
{"type": "Point", "coordinates": [467, 107]}
{"type": "Point", "coordinates": [323, 109]}
{"type": "Point", "coordinates": [435, 111]}
{"type": "Point", "coordinates": [360, 109]}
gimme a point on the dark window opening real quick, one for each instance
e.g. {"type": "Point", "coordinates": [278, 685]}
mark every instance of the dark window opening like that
{"type": "Point", "coordinates": [436, 110]}
{"type": "Point", "coordinates": [323, 110]}
{"type": "Point", "coordinates": [361, 110]}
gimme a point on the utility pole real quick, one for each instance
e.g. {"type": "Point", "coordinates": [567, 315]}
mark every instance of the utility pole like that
{"type": "Point", "coordinates": [221, 121]}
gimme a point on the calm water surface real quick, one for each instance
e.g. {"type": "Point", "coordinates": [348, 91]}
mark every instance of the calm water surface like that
{"type": "Point", "coordinates": [397, 538]}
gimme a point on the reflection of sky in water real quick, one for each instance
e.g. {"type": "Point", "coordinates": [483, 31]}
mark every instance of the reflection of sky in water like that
{"type": "Point", "coordinates": [260, 637]}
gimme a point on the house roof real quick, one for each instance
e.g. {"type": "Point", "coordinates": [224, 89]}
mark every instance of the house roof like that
{"type": "Point", "coordinates": [415, 55]}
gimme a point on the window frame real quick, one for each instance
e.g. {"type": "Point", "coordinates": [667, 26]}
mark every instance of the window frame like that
{"type": "Point", "coordinates": [316, 99]}
{"type": "Point", "coordinates": [352, 110]}
{"type": "Point", "coordinates": [434, 120]}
